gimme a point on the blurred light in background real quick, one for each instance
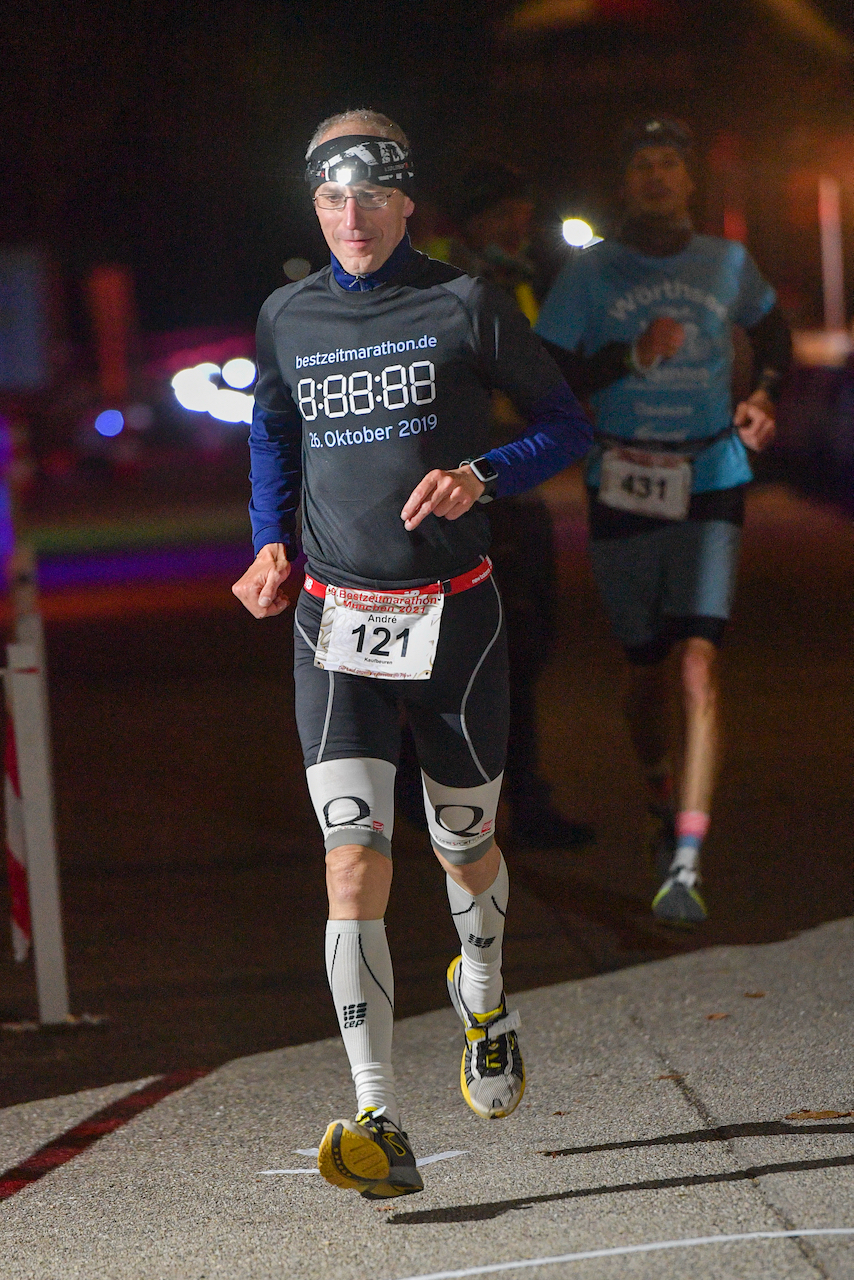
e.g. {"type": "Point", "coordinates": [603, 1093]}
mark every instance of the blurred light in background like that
{"type": "Point", "coordinates": [578, 233]}
{"type": "Point", "coordinates": [193, 387]}
{"type": "Point", "coordinates": [230, 406]}
{"type": "Point", "coordinates": [110, 422]}
{"type": "Point", "coordinates": [139, 417]}
{"type": "Point", "coordinates": [239, 372]}
{"type": "Point", "coordinates": [195, 390]}
{"type": "Point", "coordinates": [297, 268]}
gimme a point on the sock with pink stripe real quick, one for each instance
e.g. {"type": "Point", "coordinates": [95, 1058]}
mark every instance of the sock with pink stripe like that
{"type": "Point", "coordinates": [691, 828]}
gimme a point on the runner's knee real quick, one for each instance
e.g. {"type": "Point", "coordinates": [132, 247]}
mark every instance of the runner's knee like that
{"type": "Point", "coordinates": [354, 870]}
{"type": "Point", "coordinates": [461, 820]}
{"type": "Point", "coordinates": [699, 671]}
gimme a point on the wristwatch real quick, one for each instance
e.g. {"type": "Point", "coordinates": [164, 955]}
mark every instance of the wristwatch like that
{"type": "Point", "coordinates": [485, 472]}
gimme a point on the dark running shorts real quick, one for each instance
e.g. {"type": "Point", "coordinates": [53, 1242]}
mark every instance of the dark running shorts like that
{"type": "Point", "coordinates": [662, 581]}
{"type": "Point", "coordinates": [459, 716]}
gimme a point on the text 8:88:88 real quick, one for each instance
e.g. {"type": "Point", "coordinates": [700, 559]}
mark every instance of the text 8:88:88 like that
{"type": "Point", "coordinates": [339, 395]}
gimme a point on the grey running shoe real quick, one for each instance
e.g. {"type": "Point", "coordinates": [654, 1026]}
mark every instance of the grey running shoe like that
{"type": "Point", "coordinates": [492, 1073]}
{"type": "Point", "coordinates": [369, 1155]}
{"type": "Point", "coordinates": [678, 900]}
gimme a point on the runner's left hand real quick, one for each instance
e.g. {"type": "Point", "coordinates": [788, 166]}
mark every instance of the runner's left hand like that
{"type": "Point", "coordinates": [754, 419]}
{"type": "Point", "coordinates": [441, 493]}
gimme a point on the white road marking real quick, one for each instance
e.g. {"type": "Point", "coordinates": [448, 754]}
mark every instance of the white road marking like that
{"type": "Point", "coordinates": [312, 1151]}
{"type": "Point", "coordinates": [443, 1155]}
{"type": "Point", "coordinates": [631, 1248]}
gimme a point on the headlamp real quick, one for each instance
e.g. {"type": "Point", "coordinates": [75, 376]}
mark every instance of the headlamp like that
{"type": "Point", "coordinates": [360, 158]}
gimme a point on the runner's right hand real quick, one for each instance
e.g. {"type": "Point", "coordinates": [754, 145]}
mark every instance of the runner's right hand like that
{"type": "Point", "coordinates": [261, 589]}
{"type": "Point", "coordinates": [661, 339]}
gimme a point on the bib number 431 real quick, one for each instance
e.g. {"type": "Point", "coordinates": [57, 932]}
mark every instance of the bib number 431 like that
{"type": "Point", "coordinates": [648, 484]}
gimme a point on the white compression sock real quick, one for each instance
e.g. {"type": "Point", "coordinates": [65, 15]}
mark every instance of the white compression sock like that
{"type": "Point", "coordinates": [480, 924]}
{"type": "Point", "coordinates": [358, 966]}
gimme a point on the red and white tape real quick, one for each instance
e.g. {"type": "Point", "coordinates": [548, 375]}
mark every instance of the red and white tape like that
{"type": "Point", "coordinates": [16, 851]}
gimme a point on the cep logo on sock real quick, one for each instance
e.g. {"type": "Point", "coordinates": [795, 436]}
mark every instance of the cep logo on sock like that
{"type": "Point", "coordinates": [354, 1014]}
{"type": "Point", "coordinates": [482, 943]}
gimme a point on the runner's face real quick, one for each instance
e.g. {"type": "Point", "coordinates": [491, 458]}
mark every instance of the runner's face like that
{"type": "Point", "coordinates": [363, 239]}
{"type": "Point", "coordinates": [657, 181]}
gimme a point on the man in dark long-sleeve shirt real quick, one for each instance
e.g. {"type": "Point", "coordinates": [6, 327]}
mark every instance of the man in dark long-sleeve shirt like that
{"type": "Point", "coordinates": [372, 411]}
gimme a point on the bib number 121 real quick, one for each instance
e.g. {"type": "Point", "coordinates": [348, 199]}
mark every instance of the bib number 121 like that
{"type": "Point", "coordinates": [390, 635]}
{"type": "Point", "coordinates": [386, 637]}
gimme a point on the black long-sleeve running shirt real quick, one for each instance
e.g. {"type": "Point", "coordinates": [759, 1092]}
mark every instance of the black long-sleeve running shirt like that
{"type": "Point", "coordinates": [360, 394]}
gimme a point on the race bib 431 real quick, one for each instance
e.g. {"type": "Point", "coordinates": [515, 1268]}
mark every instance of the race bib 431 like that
{"type": "Point", "coordinates": [374, 633]}
{"type": "Point", "coordinates": [646, 483]}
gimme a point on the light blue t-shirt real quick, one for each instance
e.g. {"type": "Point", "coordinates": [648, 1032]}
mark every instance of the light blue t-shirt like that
{"type": "Point", "coordinates": [610, 293]}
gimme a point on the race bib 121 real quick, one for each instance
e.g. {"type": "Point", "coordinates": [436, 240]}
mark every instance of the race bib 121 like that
{"type": "Point", "coordinates": [374, 633]}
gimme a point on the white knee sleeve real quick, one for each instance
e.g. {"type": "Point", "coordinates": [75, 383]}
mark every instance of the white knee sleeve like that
{"type": "Point", "coordinates": [354, 802]}
{"type": "Point", "coordinates": [461, 819]}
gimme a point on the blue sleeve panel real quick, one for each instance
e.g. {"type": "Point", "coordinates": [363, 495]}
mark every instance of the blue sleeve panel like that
{"type": "Point", "coordinates": [275, 448]}
{"type": "Point", "coordinates": [275, 444]}
{"type": "Point", "coordinates": [558, 434]}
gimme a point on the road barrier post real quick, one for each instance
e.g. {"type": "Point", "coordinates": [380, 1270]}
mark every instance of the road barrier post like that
{"type": "Point", "coordinates": [28, 706]}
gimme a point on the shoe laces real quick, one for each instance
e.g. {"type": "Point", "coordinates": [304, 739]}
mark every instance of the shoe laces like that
{"type": "Point", "coordinates": [491, 1044]}
{"type": "Point", "coordinates": [686, 876]}
{"type": "Point", "coordinates": [375, 1118]}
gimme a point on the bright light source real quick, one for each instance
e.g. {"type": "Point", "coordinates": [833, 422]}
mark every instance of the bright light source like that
{"type": "Point", "coordinates": [578, 233]}
{"type": "Point", "coordinates": [230, 406]}
{"type": "Point", "coordinates": [238, 372]}
{"type": "Point", "coordinates": [110, 422]}
{"type": "Point", "coordinates": [194, 390]}
{"type": "Point", "coordinates": [193, 387]}
{"type": "Point", "coordinates": [343, 176]}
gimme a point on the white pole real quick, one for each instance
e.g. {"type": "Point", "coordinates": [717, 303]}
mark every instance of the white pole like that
{"type": "Point", "coordinates": [830, 224]}
{"type": "Point", "coordinates": [24, 678]}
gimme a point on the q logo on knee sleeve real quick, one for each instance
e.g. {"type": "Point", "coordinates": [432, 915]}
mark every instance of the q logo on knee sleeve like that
{"type": "Point", "coordinates": [461, 819]}
{"type": "Point", "coordinates": [448, 816]}
{"type": "Point", "coordinates": [354, 802]}
{"type": "Point", "coordinates": [345, 811]}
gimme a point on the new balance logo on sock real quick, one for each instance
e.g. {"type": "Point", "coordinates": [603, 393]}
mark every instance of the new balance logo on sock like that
{"type": "Point", "coordinates": [354, 1014]}
{"type": "Point", "coordinates": [483, 943]}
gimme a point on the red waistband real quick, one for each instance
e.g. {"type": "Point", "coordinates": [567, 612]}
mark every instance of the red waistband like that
{"type": "Point", "coordinates": [450, 587]}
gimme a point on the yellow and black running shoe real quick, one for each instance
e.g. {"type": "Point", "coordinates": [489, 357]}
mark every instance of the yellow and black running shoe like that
{"type": "Point", "coordinates": [678, 901]}
{"type": "Point", "coordinates": [492, 1073]}
{"type": "Point", "coordinates": [369, 1155]}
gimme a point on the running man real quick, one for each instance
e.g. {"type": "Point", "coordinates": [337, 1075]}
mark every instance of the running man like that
{"type": "Point", "coordinates": [643, 325]}
{"type": "Point", "coordinates": [372, 411]}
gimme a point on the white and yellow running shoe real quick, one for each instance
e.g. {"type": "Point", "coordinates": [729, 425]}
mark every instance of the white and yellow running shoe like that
{"type": "Point", "coordinates": [369, 1155]}
{"type": "Point", "coordinates": [492, 1073]}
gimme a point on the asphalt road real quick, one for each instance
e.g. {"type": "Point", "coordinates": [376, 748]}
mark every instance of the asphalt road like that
{"type": "Point", "coordinates": [662, 1136]}
{"type": "Point", "coordinates": [191, 864]}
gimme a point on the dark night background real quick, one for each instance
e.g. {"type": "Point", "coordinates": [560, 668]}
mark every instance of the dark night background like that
{"type": "Point", "coordinates": [170, 136]}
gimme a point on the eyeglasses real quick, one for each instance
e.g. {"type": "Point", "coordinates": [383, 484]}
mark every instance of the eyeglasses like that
{"type": "Point", "coordinates": [364, 199]}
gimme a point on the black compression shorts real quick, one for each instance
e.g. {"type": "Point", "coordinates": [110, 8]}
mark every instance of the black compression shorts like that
{"type": "Point", "coordinates": [459, 717]}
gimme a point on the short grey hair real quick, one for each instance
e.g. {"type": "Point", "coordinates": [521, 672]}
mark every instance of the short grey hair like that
{"type": "Point", "coordinates": [359, 115]}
